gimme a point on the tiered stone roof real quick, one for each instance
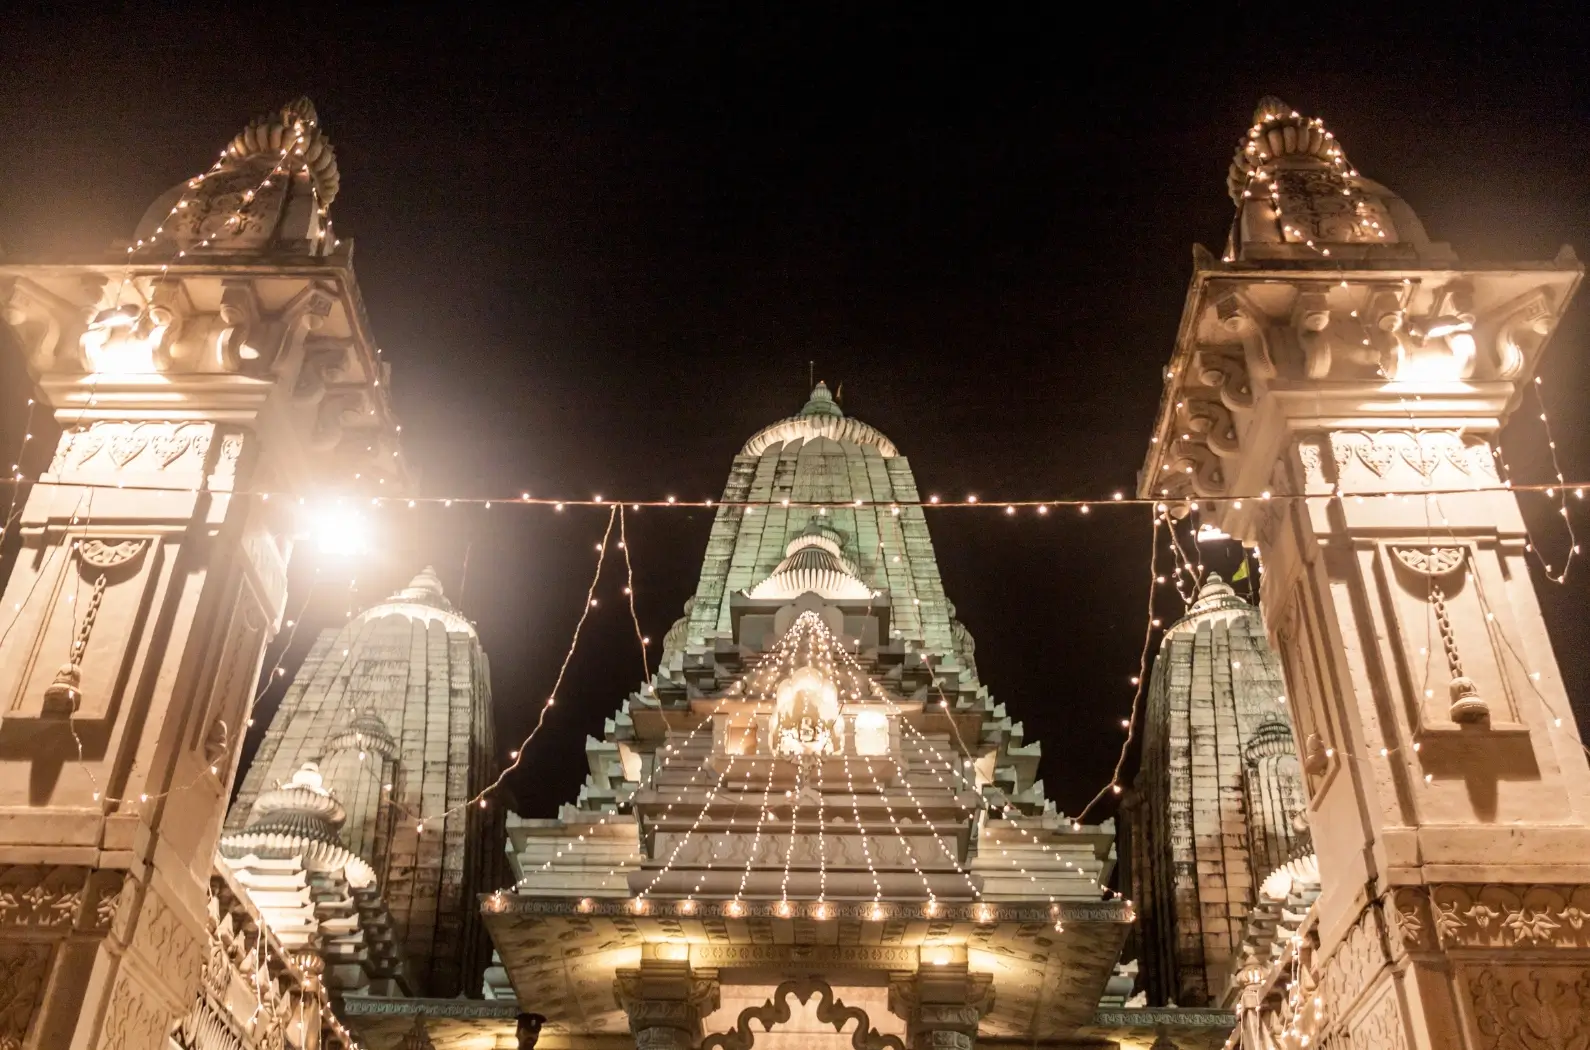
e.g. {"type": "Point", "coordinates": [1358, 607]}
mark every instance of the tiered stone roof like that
{"type": "Point", "coordinates": [911, 810]}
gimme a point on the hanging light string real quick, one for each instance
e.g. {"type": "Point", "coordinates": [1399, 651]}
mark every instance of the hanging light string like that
{"type": "Point", "coordinates": [276, 669]}
{"type": "Point", "coordinates": [701, 815]}
{"type": "Point", "coordinates": [966, 811]}
{"type": "Point", "coordinates": [1559, 490]}
{"type": "Point", "coordinates": [822, 846]}
{"type": "Point", "coordinates": [861, 831]}
{"type": "Point", "coordinates": [759, 673]}
{"type": "Point", "coordinates": [756, 841]}
{"type": "Point", "coordinates": [905, 845]}
{"type": "Point", "coordinates": [824, 646]}
{"type": "Point", "coordinates": [926, 752]}
{"type": "Point", "coordinates": [971, 502]}
{"type": "Point", "coordinates": [12, 512]}
{"type": "Point", "coordinates": [926, 749]}
{"type": "Point", "coordinates": [794, 830]}
{"type": "Point", "coordinates": [293, 145]}
{"type": "Point", "coordinates": [629, 592]}
{"type": "Point", "coordinates": [517, 756]}
{"type": "Point", "coordinates": [1114, 786]}
{"type": "Point", "coordinates": [1250, 146]}
{"type": "Point", "coordinates": [668, 752]}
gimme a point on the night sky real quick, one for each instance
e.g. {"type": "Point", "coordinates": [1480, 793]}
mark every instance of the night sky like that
{"type": "Point", "coordinates": [600, 248]}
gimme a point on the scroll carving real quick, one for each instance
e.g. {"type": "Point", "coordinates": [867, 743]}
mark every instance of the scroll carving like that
{"type": "Point", "coordinates": [776, 1011]}
{"type": "Point", "coordinates": [1521, 332]}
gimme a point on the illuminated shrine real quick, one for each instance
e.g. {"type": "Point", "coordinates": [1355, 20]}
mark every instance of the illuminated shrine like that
{"type": "Point", "coordinates": [815, 812]}
{"type": "Point", "coordinates": [813, 826]}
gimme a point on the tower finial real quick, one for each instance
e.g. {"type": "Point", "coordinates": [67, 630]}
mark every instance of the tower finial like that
{"type": "Point", "coordinates": [821, 403]}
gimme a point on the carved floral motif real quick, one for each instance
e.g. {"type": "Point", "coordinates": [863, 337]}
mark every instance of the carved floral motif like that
{"type": "Point", "coordinates": [23, 969]}
{"type": "Point", "coordinates": [1533, 1008]}
{"type": "Point", "coordinates": [109, 554]}
{"type": "Point", "coordinates": [1430, 561]}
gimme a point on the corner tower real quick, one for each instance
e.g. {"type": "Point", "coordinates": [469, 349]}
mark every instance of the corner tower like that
{"type": "Point", "coordinates": [1334, 398]}
{"type": "Point", "coordinates": [1216, 802]}
{"type": "Point", "coordinates": [391, 715]}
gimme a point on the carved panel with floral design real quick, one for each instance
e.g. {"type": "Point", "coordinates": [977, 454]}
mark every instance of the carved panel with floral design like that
{"type": "Point", "coordinates": [1529, 1007]}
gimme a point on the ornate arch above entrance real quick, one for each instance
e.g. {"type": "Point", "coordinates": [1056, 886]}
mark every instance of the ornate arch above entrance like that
{"type": "Point", "coordinates": [776, 1011]}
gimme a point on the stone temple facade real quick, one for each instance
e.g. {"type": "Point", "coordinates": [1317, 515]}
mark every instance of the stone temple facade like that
{"type": "Point", "coordinates": [815, 810]}
{"type": "Point", "coordinates": [813, 825]}
{"type": "Point", "coordinates": [1218, 803]}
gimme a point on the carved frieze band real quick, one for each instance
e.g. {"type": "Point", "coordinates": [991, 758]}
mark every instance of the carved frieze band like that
{"type": "Point", "coordinates": [39, 897]}
{"type": "Point", "coordinates": [1490, 916]}
{"type": "Point", "coordinates": [1377, 457]}
{"type": "Point", "coordinates": [117, 445]}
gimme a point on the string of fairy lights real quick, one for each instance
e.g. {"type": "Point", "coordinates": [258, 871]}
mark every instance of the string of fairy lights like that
{"type": "Point", "coordinates": [1186, 575]}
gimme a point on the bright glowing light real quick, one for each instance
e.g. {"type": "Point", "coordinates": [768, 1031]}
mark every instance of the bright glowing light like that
{"type": "Point", "coordinates": [338, 530]}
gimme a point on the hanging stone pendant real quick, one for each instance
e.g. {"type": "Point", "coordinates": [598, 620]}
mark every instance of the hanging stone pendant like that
{"type": "Point", "coordinates": [1468, 707]}
{"type": "Point", "coordinates": [62, 696]}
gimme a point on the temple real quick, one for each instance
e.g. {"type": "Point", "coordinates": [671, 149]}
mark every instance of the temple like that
{"type": "Point", "coordinates": [815, 803]}
{"type": "Point", "coordinates": [1359, 816]}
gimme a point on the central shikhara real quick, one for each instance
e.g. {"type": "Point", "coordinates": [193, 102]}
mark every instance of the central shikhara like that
{"type": "Point", "coordinates": [815, 782]}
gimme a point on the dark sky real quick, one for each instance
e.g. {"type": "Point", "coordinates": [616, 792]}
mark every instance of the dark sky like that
{"type": "Point", "coordinates": [600, 246]}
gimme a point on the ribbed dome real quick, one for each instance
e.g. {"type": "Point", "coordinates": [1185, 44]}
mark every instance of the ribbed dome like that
{"type": "Point", "coordinates": [813, 562]}
{"type": "Point", "coordinates": [302, 806]}
{"type": "Point", "coordinates": [300, 819]}
{"type": "Point", "coordinates": [366, 732]}
{"type": "Point", "coordinates": [821, 416]}
{"type": "Point", "coordinates": [421, 600]}
{"type": "Point", "coordinates": [1216, 601]}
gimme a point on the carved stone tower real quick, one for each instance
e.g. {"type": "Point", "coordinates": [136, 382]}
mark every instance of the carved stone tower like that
{"type": "Point", "coordinates": [222, 356]}
{"type": "Point", "coordinates": [1334, 397]}
{"type": "Point", "coordinates": [1217, 797]}
{"type": "Point", "coordinates": [394, 710]}
{"type": "Point", "coordinates": [814, 816]}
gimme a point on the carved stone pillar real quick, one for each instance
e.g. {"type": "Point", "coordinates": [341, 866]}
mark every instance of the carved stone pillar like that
{"type": "Point", "coordinates": [1449, 793]}
{"type": "Point", "coordinates": [665, 1000]}
{"type": "Point", "coordinates": [151, 577]}
{"type": "Point", "coordinates": [942, 1005]}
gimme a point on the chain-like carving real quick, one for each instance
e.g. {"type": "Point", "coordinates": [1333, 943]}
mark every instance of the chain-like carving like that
{"type": "Point", "coordinates": [64, 695]}
{"type": "Point", "coordinates": [1435, 563]}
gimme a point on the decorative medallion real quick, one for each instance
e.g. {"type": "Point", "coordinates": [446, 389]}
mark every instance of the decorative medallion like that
{"type": "Point", "coordinates": [109, 554]}
{"type": "Point", "coordinates": [1430, 561]}
{"type": "Point", "coordinates": [167, 447]}
{"type": "Point", "coordinates": [124, 448]}
{"type": "Point", "coordinates": [1375, 456]}
{"type": "Point", "coordinates": [1422, 459]}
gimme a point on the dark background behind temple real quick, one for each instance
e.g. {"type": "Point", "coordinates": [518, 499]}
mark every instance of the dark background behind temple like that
{"type": "Point", "coordinates": [600, 247]}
